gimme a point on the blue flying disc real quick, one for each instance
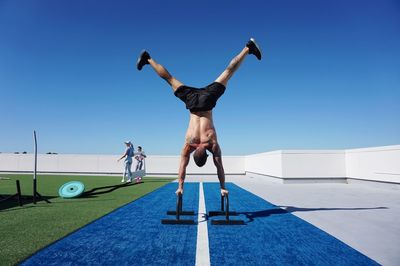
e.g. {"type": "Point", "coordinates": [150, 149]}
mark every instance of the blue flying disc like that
{"type": "Point", "coordinates": [71, 189]}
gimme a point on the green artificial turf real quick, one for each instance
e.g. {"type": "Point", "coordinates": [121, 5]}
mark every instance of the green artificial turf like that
{"type": "Point", "coordinates": [26, 229]}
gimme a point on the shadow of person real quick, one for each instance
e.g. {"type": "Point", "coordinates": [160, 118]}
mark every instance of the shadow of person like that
{"type": "Point", "coordinates": [106, 189]}
{"type": "Point", "coordinates": [263, 213]}
{"type": "Point", "coordinates": [279, 210]}
{"type": "Point", "coordinates": [299, 209]}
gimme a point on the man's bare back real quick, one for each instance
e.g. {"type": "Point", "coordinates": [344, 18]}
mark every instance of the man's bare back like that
{"type": "Point", "coordinates": [201, 134]}
{"type": "Point", "coordinates": [201, 130]}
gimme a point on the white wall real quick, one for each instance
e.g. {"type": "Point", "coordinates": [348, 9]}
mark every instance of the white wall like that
{"type": "Point", "coordinates": [298, 164]}
{"type": "Point", "coordinates": [379, 163]}
{"type": "Point", "coordinates": [77, 163]}
{"type": "Point", "coordinates": [373, 164]}
{"type": "Point", "coordinates": [170, 165]}
{"type": "Point", "coordinates": [72, 163]}
{"type": "Point", "coordinates": [267, 163]}
{"type": "Point", "coordinates": [313, 164]}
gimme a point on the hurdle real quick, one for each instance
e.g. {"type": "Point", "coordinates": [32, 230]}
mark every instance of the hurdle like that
{"type": "Point", "coordinates": [178, 213]}
{"type": "Point", "coordinates": [225, 212]}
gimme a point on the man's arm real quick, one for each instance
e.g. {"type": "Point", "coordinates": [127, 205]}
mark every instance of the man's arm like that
{"type": "Point", "coordinates": [217, 157]}
{"type": "Point", "coordinates": [185, 157]}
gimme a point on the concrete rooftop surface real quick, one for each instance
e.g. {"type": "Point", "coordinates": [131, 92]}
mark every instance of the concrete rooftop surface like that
{"type": "Point", "coordinates": [363, 216]}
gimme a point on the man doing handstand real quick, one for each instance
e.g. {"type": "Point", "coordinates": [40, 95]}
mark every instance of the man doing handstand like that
{"type": "Point", "coordinates": [201, 135]}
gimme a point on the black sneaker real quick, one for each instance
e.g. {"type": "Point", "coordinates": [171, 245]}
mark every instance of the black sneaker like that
{"type": "Point", "coordinates": [142, 60]}
{"type": "Point", "coordinates": [254, 48]}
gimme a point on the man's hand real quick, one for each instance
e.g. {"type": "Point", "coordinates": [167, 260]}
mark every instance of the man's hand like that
{"type": "Point", "coordinates": [224, 192]}
{"type": "Point", "coordinates": [179, 191]}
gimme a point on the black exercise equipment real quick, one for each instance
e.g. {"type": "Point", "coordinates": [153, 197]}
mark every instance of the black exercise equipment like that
{"type": "Point", "coordinates": [225, 211]}
{"type": "Point", "coordinates": [17, 195]}
{"type": "Point", "coordinates": [178, 213]}
{"type": "Point", "coordinates": [36, 195]}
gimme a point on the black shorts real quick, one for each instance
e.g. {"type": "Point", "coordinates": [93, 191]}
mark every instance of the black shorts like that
{"type": "Point", "coordinates": [203, 99]}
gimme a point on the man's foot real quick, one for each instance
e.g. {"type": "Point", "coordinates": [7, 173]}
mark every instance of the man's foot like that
{"type": "Point", "coordinates": [224, 192]}
{"type": "Point", "coordinates": [254, 48]}
{"type": "Point", "coordinates": [142, 60]}
{"type": "Point", "coordinates": [129, 181]}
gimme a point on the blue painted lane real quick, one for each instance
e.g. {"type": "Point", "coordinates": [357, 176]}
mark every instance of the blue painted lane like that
{"type": "Point", "coordinates": [130, 235]}
{"type": "Point", "coordinates": [271, 235]}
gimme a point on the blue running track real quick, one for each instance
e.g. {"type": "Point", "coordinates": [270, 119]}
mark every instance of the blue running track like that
{"type": "Point", "coordinates": [131, 235]}
{"type": "Point", "coordinates": [271, 235]}
{"type": "Point", "coordinates": [134, 235]}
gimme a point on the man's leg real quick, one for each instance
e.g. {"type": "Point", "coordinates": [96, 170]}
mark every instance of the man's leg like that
{"type": "Point", "coordinates": [145, 59]}
{"type": "Point", "coordinates": [232, 67]}
{"type": "Point", "coordinates": [251, 48]}
{"type": "Point", "coordinates": [164, 74]}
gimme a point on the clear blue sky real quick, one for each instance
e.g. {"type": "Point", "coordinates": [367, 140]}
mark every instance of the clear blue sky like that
{"type": "Point", "coordinates": [329, 79]}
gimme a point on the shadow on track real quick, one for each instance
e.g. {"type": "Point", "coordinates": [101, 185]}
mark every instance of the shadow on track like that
{"type": "Point", "coordinates": [290, 209]}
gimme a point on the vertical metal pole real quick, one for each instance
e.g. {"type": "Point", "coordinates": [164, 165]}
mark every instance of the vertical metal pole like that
{"type": "Point", "coordinates": [180, 203]}
{"type": "Point", "coordinates": [19, 193]}
{"type": "Point", "coordinates": [178, 206]}
{"type": "Point", "coordinates": [227, 207]}
{"type": "Point", "coordinates": [35, 168]}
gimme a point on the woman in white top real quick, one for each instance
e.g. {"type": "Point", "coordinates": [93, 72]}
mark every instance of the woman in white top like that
{"type": "Point", "coordinates": [128, 154]}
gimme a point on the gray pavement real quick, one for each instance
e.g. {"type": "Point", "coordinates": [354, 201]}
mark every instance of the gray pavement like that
{"type": "Point", "coordinates": [365, 217]}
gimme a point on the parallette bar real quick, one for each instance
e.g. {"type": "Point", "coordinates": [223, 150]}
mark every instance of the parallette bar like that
{"type": "Point", "coordinates": [178, 213]}
{"type": "Point", "coordinates": [225, 211]}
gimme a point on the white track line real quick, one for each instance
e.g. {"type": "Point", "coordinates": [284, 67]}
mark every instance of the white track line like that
{"type": "Point", "coordinates": [202, 248]}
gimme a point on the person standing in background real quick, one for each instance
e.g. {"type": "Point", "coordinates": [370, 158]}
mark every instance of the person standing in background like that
{"type": "Point", "coordinates": [128, 154]}
{"type": "Point", "coordinates": [139, 156]}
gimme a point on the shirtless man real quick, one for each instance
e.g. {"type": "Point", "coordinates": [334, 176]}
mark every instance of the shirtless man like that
{"type": "Point", "coordinates": [201, 135]}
